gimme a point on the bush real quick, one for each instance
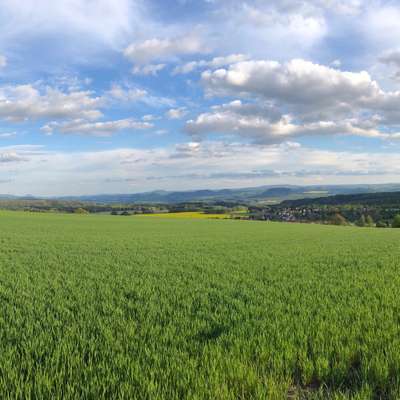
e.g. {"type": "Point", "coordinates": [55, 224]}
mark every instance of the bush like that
{"type": "Point", "coordinates": [361, 222]}
{"type": "Point", "coordinates": [381, 224]}
{"type": "Point", "coordinates": [338, 219]}
{"type": "Point", "coordinates": [365, 221]}
{"type": "Point", "coordinates": [81, 211]}
{"type": "Point", "coordinates": [396, 221]}
{"type": "Point", "coordinates": [369, 221]}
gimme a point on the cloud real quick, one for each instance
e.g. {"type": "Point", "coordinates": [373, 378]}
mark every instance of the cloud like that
{"type": "Point", "coordinates": [73, 112]}
{"type": "Point", "coordinates": [391, 57]}
{"type": "Point", "coordinates": [297, 82]}
{"type": "Point", "coordinates": [8, 135]}
{"type": "Point", "coordinates": [336, 63]}
{"type": "Point", "coordinates": [158, 31]}
{"type": "Point", "coordinates": [233, 45]}
{"type": "Point", "coordinates": [101, 20]}
{"type": "Point", "coordinates": [216, 62]}
{"type": "Point", "coordinates": [280, 28]}
{"type": "Point", "coordinates": [176, 113]}
{"type": "Point", "coordinates": [69, 83]}
{"type": "Point", "coordinates": [264, 124]}
{"type": "Point", "coordinates": [149, 117]}
{"type": "Point", "coordinates": [215, 164]}
{"type": "Point", "coordinates": [26, 102]}
{"type": "Point", "coordinates": [186, 150]}
{"type": "Point", "coordinates": [154, 49]}
{"type": "Point", "coordinates": [379, 26]}
{"type": "Point", "coordinates": [129, 94]}
{"type": "Point", "coordinates": [150, 69]}
{"type": "Point", "coordinates": [310, 91]}
{"type": "Point", "coordinates": [3, 61]}
{"type": "Point", "coordinates": [309, 7]}
{"type": "Point", "coordinates": [105, 128]}
{"type": "Point", "coordinates": [186, 166]}
{"type": "Point", "coordinates": [313, 6]}
{"type": "Point", "coordinates": [11, 157]}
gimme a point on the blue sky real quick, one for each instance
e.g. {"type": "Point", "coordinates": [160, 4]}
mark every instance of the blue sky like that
{"type": "Point", "coordinates": [123, 96]}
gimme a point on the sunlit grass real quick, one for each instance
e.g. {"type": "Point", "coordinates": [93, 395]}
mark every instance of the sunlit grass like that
{"type": "Point", "coordinates": [97, 307]}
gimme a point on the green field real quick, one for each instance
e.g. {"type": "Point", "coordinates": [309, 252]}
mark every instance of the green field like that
{"type": "Point", "coordinates": [102, 307]}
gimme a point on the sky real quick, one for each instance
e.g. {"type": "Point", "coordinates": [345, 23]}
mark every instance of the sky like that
{"type": "Point", "coordinates": [125, 96]}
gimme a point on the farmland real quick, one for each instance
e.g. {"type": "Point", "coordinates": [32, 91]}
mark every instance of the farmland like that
{"type": "Point", "coordinates": [155, 308]}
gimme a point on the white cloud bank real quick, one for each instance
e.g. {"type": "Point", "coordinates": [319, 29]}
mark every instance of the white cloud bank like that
{"type": "Point", "coordinates": [26, 102]}
{"type": "Point", "coordinates": [144, 54]}
{"type": "Point", "coordinates": [296, 98]}
{"type": "Point", "coordinates": [73, 111]}
{"type": "Point", "coordinates": [33, 169]}
{"type": "Point", "coordinates": [101, 129]}
{"type": "Point", "coordinates": [297, 82]}
{"type": "Point", "coordinates": [100, 20]}
{"type": "Point", "coordinates": [265, 124]}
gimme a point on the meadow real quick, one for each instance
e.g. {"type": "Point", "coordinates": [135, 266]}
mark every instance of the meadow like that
{"type": "Point", "coordinates": [104, 307]}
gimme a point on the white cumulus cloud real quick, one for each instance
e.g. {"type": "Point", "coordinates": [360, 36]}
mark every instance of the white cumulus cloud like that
{"type": "Point", "coordinates": [176, 113]}
{"type": "Point", "coordinates": [266, 125]}
{"type": "Point", "coordinates": [145, 52]}
{"type": "Point", "coordinates": [26, 102]}
{"type": "Point", "coordinates": [103, 128]}
{"type": "Point", "coordinates": [311, 91]}
{"type": "Point", "coordinates": [216, 62]}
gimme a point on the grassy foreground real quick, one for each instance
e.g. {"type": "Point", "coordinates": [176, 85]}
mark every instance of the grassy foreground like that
{"type": "Point", "coordinates": [97, 307]}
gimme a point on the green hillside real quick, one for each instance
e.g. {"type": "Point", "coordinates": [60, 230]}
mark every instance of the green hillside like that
{"type": "Point", "coordinates": [387, 199]}
{"type": "Point", "coordinates": [102, 307]}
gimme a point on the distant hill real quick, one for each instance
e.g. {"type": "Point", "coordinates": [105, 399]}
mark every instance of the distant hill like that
{"type": "Point", "coordinates": [273, 194]}
{"type": "Point", "coordinates": [12, 197]}
{"type": "Point", "coordinates": [279, 192]}
{"type": "Point", "coordinates": [367, 199]}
